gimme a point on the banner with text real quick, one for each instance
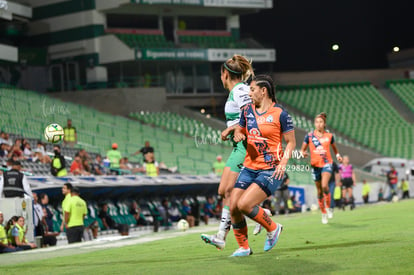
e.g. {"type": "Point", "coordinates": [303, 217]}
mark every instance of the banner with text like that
{"type": "Point", "coordinates": [212, 55]}
{"type": "Point", "coordinates": [171, 54]}
{"type": "Point", "coordinates": [258, 55]}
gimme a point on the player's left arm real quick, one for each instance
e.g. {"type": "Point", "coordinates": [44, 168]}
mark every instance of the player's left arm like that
{"type": "Point", "coordinates": [287, 129]}
{"type": "Point", "coordinates": [335, 149]}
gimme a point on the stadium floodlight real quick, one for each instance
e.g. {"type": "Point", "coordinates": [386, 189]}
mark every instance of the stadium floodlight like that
{"type": "Point", "coordinates": [335, 47]}
{"type": "Point", "coordinates": [396, 49]}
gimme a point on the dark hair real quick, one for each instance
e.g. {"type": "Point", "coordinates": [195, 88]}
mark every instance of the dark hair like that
{"type": "Point", "coordinates": [10, 223]}
{"type": "Point", "coordinates": [238, 67]}
{"type": "Point", "coordinates": [69, 186]}
{"type": "Point", "coordinates": [56, 145]}
{"type": "Point", "coordinates": [42, 196]}
{"type": "Point", "coordinates": [265, 81]}
{"type": "Point", "coordinates": [75, 190]}
{"type": "Point", "coordinates": [323, 116]}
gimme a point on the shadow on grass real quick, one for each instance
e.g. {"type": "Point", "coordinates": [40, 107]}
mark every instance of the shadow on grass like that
{"type": "Point", "coordinates": [311, 245]}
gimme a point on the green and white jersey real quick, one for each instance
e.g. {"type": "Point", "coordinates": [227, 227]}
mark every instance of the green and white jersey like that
{"type": "Point", "coordinates": [238, 97]}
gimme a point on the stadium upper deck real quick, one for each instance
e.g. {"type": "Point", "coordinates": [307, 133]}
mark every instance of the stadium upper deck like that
{"type": "Point", "coordinates": [126, 43]}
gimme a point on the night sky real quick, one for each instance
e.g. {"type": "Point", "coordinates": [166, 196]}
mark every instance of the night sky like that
{"type": "Point", "coordinates": [303, 31]}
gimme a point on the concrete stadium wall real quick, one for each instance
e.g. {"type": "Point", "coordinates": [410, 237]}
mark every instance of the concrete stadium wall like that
{"type": "Point", "coordinates": [118, 101]}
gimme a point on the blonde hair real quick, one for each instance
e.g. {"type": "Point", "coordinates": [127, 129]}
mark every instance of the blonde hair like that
{"type": "Point", "coordinates": [238, 67]}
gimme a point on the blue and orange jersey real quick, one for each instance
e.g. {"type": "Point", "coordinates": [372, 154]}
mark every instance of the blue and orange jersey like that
{"type": "Point", "coordinates": [264, 135]}
{"type": "Point", "coordinates": [319, 148]}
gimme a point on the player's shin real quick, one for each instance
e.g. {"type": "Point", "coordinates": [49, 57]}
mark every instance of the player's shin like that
{"type": "Point", "coordinates": [240, 233]}
{"type": "Point", "coordinates": [259, 215]}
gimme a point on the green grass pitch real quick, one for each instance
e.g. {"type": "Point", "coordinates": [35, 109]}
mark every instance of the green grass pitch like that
{"type": "Point", "coordinates": [375, 239]}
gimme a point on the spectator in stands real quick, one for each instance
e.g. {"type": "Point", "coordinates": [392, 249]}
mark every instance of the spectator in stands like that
{"type": "Point", "coordinates": [109, 223]}
{"type": "Point", "coordinates": [58, 164]}
{"type": "Point", "coordinates": [18, 233]}
{"type": "Point", "coordinates": [83, 155]}
{"type": "Point", "coordinates": [135, 211]}
{"type": "Point", "coordinates": [77, 167]}
{"type": "Point", "coordinates": [4, 138]}
{"type": "Point", "coordinates": [86, 166]}
{"type": "Point", "coordinates": [5, 247]}
{"type": "Point", "coordinates": [97, 166]}
{"type": "Point", "coordinates": [165, 213]}
{"type": "Point", "coordinates": [365, 191]}
{"type": "Point", "coordinates": [3, 150]}
{"type": "Point", "coordinates": [27, 151]}
{"type": "Point", "coordinates": [145, 150]}
{"type": "Point", "coordinates": [114, 157]}
{"type": "Point", "coordinates": [127, 166]}
{"type": "Point", "coordinates": [75, 212]}
{"type": "Point", "coordinates": [16, 150]}
{"type": "Point", "coordinates": [40, 153]}
{"type": "Point", "coordinates": [218, 166]}
{"type": "Point", "coordinates": [392, 180]}
{"type": "Point", "coordinates": [14, 182]}
{"type": "Point", "coordinates": [151, 166]}
{"type": "Point", "coordinates": [208, 209]}
{"type": "Point", "coordinates": [49, 235]}
{"type": "Point", "coordinates": [67, 192]}
{"type": "Point", "coordinates": [71, 136]}
{"type": "Point", "coordinates": [187, 214]}
{"type": "Point", "coordinates": [37, 216]}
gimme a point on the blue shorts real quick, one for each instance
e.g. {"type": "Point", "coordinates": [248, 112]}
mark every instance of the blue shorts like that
{"type": "Point", "coordinates": [263, 178]}
{"type": "Point", "coordinates": [317, 171]}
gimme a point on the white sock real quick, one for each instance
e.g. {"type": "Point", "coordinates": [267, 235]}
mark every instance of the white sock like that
{"type": "Point", "coordinates": [225, 223]}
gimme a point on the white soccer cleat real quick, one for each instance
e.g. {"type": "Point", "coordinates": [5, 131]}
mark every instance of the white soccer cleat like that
{"type": "Point", "coordinates": [242, 252]}
{"type": "Point", "coordinates": [257, 229]}
{"type": "Point", "coordinates": [330, 213]}
{"type": "Point", "coordinates": [324, 218]}
{"type": "Point", "coordinates": [213, 240]}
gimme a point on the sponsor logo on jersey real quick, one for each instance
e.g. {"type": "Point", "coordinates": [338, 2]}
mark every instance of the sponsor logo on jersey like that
{"type": "Point", "coordinates": [260, 120]}
{"type": "Point", "coordinates": [254, 131]}
{"type": "Point", "coordinates": [250, 115]}
{"type": "Point", "coordinates": [269, 118]}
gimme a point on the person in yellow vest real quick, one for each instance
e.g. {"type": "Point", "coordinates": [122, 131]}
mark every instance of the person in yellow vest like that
{"type": "Point", "coordinates": [114, 157]}
{"type": "Point", "coordinates": [75, 212]}
{"type": "Point", "coordinates": [218, 166]}
{"type": "Point", "coordinates": [366, 188]}
{"type": "Point", "coordinates": [5, 247]}
{"type": "Point", "coordinates": [405, 188]}
{"type": "Point", "coordinates": [71, 137]}
{"type": "Point", "coordinates": [67, 192]}
{"type": "Point", "coordinates": [18, 234]}
{"type": "Point", "coordinates": [338, 194]}
{"type": "Point", "coordinates": [58, 164]}
{"type": "Point", "coordinates": [151, 166]}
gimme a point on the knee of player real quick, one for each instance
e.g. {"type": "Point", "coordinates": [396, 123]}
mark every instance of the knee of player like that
{"type": "Point", "coordinates": [244, 207]}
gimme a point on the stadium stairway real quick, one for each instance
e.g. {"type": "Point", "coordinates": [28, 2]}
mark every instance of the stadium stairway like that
{"type": "Point", "coordinates": [399, 104]}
